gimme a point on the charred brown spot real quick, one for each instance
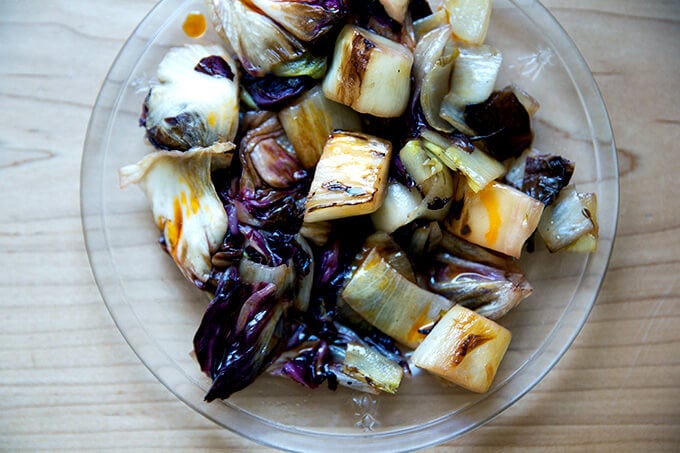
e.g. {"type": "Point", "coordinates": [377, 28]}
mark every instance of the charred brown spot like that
{"type": "Point", "coordinates": [336, 186]}
{"type": "Point", "coordinates": [586, 213]}
{"type": "Point", "coordinates": [465, 230]}
{"type": "Point", "coordinates": [466, 346]}
{"type": "Point", "coordinates": [457, 208]}
{"type": "Point", "coordinates": [353, 69]}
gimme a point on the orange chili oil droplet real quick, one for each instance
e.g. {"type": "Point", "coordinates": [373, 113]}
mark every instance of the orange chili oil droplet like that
{"type": "Point", "coordinates": [194, 25]}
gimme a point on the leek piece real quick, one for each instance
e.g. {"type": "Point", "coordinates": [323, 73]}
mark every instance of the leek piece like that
{"type": "Point", "coordinates": [498, 217]}
{"type": "Point", "coordinates": [464, 348]}
{"type": "Point", "coordinates": [390, 302]}
{"type": "Point", "coordinates": [365, 364]}
{"type": "Point", "coordinates": [351, 177]}
{"type": "Point", "coordinates": [309, 121]}
{"type": "Point", "coordinates": [479, 168]}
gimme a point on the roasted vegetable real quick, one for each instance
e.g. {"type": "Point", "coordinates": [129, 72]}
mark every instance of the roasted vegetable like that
{"type": "Point", "coordinates": [545, 175]}
{"type": "Point", "coordinates": [237, 336]}
{"type": "Point", "coordinates": [426, 24]}
{"type": "Point", "coordinates": [503, 122]}
{"type": "Point", "coordinates": [338, 355]}
{"type": "Point", "coordinates": [272, 185]}
{"type": "Point", "coordinates": [396, 9]}
{"type": "Point", "coordinates": [367, 365]}
{"type": "Point", "coordinates": [369, 73]}
{"type": "Point", "coordinates": [272, 92]}
{"type": "Point", "coordinates": [570, 218]}
{"type": "Point", "coordinates": [497, 217]}
{"type": "Point", "coordinates": [196, 100]}
{"type": "Point", "coordinates": [464, 348]}
{"type": "Point", "coordinates": [472, 81]}
{"type": "Point", "coordinates": [184, 203]}
{"type": "Point", "coordinates": [306, 20]}
{"type": "Point", "coordinates": [430, 198]}
{"type": "Point", "coordinates": [309, 121]}
{"type": "Point", "coordinates": [350, 178]}
{"type": "Point", "coordinates": [258, 41]}
{"type": "Point", "coordinates": [434, 59]}
{"type": "Point", "coordinates": [390, 302]}
{"type": "Point", "coordinates": [469, 19]}
{"type": "Point", "coordinates": [489, 291]}
{"type": "Point", "coordinates": [479, 168]}
{"type": "Point", "coordinates": [461, 248]}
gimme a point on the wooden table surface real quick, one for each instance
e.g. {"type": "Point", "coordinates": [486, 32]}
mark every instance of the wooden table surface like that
{"type": "Point", "coordinates": [68, 380]}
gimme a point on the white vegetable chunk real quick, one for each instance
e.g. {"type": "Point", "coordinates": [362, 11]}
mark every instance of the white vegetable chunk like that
{"type": "Point", "coordinates": [351, 177]}
{"type": "Point", "coordinates": [309, 121]}
{"type": "Point", "coordinates": [497, 217]}
{"type": "Point", "coordinates": [392, 303]}
{"type": "Point", "coordinates": [474, 75]}
{"type": "Point", "coordinates": [571, 221]}
{"type": "Point", "coordinates": [196, 102]}
{"type": "Point", "coordinates": [464, 348]}
{"type": "Point", "coordinates": [369, 73]}
{"type": "Point", "coordinates": [469, 19]}
{"type": "Point", "coordinates": [396, 9]}
{"type": "Point", "coordinates": [184, 203]}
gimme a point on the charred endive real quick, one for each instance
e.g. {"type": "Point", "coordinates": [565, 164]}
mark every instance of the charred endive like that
{"type": "Point", "coordinates": [196, 100]}
{"type": "Point", "coordinates": [489, 291]}
{"type": "Point", "coordinates": [266, 33]}
{"type": "Point", "coordinates": [184, 203]}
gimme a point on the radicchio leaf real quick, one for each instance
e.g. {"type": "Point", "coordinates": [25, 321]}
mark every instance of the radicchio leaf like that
{"type": "Point", "coordinates": [237, 336]}
{"type": "Point", "coordinates": [273, 93]}
{"type": "Point", "coordinates": [215, 66]}
{"type": "Point", "coordinates": [502, 123]}
{"type": "Point", "coordinates": [545, 175]}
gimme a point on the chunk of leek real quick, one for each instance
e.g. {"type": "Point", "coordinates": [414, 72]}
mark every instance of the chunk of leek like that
{"type": "Point", "coordinates": [464, 348]}
{"type": "Point", "coordinates": [497, 217]}
{"type": "Point", "coordinates": [309, 121]}
{"type": "Point", "coordinates": [469, 19]}
{"type": "Point", "coordinates": [367, 365]}
{"type": "Point", "coordinates": [390, 302]}
{"type": "Point", "coordinates": [426, 24]}
{"type": "Point", "coordinates": [350, 178]}
{"type": "Point", "coordinates": [474, 76]}
{"type": "Point", "coordinates": [479, 168]}
{"type": "Point", "coordinates": [369, 73]}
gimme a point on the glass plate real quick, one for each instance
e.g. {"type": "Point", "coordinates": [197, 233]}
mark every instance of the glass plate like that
{"type": "Point", "coordinates": [158, 312]}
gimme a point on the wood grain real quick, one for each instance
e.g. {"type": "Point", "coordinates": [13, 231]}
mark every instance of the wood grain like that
{"type": "Point", "coordinates": [68, 380]}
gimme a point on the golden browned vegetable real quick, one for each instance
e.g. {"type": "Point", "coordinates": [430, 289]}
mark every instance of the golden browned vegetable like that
{"type": "Point", "coordinates": [369, 73]}
{"type": "Point", "coordinates": [497, 217]}
{"type": "Point", "coordinates": [390, 302]}
{"type": "Point", "coordinates": [351, 177]}
{"type": "Point", "coordinates": [309, 121]}
{"type": "Point", "coordinates": [464, 348]}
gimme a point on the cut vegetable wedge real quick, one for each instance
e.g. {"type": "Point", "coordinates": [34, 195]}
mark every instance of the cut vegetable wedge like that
{"type": "Point", "coordinates": [351, 177]}
{"type": "Point", "coordinates": [464, 348]}
{"type": "Point", "coordinates": [390, 302]}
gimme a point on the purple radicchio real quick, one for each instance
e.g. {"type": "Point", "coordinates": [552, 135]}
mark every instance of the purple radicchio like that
{"type": "Point", "coordinates": [237, 336]}
{"type": "Point", "coordinates": [490, 291]}
{"type": "Point", "coordinates": [502, 123]}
